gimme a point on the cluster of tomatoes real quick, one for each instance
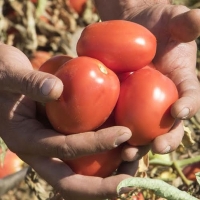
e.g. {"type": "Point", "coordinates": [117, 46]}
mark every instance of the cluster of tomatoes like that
{"type": "Point", "coordinates": [111, 82]}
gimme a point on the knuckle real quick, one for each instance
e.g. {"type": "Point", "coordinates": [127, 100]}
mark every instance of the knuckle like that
{"type": "Point", "coordinates": [66, 151]}
{"type": "Point", "coordinates": [102, 142]}
{"type": "Point", "coordinates": [29, 81]}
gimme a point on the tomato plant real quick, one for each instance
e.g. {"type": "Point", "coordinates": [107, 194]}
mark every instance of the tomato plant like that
{"type": "Point", "coordinates": [101, 164]}
{"type": "Point", "coordinates": [121, 45]}
{"type": "Point", "coordinates": [11, 164]}
{"type": "Point", "coordinates": [90, 93]}
{"type": "Point", "coordinates": [144, 105]}
{"type": "Point", "coordinates": [190, 170]}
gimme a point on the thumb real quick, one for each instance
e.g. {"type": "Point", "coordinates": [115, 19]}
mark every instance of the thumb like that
{"type": "Point", "coordinates": [185, 27]}
{"type": "Point", "coordinates": [18, 76]}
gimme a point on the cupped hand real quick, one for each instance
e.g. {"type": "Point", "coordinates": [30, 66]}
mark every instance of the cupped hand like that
{"type": "Point", "coordinates": [36, 144]}
{"type": "Point", "coordinates": [175, 28]}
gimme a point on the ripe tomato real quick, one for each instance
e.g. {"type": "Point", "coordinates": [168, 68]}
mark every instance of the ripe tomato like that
{"type": "Point", "coordinates": [121, 45]}
{"type": "Point", "coordinates": [54, 63]}
{"type": "Point", "coordinates": [38, 58]}
{"type": "Point", "coordinates": [78, 5]}
{"type": "Point", "coordinates": [90, 93]}
{"type": "Point", "coordinates": [144, 105]}
{"type": "Point", "coordinates": [50, 66]}
{"type": "Point", "coordinates": [138, 196]}
{"type": "Point", "coordinates": [190, 170]}
{"type": "Point", "coordinates": [100, 164]}
{"type": "Point", "coordinates": [11, 164]}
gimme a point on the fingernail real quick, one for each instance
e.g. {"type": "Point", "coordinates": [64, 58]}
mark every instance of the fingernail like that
{"type": "Point", "coordinates": [47, 86]}
{"type": "Point", "coordinates": [125, 190]}
{"type": "Point", "coordinates": [122, 138]}
{"type": "Point", "coordinates": [184, 113]}
{"type": "Point", "coordinates": [166, 150]}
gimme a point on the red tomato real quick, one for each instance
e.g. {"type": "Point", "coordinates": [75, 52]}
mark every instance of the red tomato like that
{"type": "Point", "coordinates": [123, 76]}
{"type": "Point", "coordinates": [100, 164]}
{"type": "Point", "coordinates": [50, 66]}
{"type": "Point", "coordinates": [54, 63]}
{"type": "Point", "coordinates": [11, 164]}
{"type": "Point", "coordinates": [144, 105]}
{"type": "Point", "coordinates": [121, 45]}
{"type": "Point", "coordinates": [38, 58]}
{"type": "Point", "coordinates": [138, 196]}
{"type": "Point", "coordinates": [78, 5]}
{"type": "Point", "coordinates": [90, 93]}
{"type": "Point", "coordinates": [34, 1]}
{"type": "Point", "coordinates": [190, 171]}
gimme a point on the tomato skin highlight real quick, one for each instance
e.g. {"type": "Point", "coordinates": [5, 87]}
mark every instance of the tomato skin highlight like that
{"type": "Point", "coordinates": [144, 105]}
{"type": "Point", "coordinates": [90, 93]}
{"type": "Point", "coordinates": [121, 45]}
{"type": "Point", "coordinates": [100, 164]}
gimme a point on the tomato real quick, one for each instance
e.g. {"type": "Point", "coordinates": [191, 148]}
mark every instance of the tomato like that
{"type": "Point", "coordinates": [101, 164]}
{"type": "Point", "coordinates": [78, 5]}
{"type": "Point", "coordinates": [90, 93]}
{"type": "Point", "coordinates": [11, 164]}
{"type": "Point", "coordinates": [190, 170]}
{"type": "Point", "coordinates": [121, 45]}
{"type": "Point", "coordinates": [38, 58]}
{"type": "Point", "coordinates": [50, 66]}
{"type": "Point", "coordinates": [54, 63]}
{"type": "Point", "coordinates": [34, 1]}
{"type": "Point", "coordinates": [144, 105]}
{"type": "Point", "coordinates": [138, 196]}
{"type": "Point", "coordinates": [123, 76]}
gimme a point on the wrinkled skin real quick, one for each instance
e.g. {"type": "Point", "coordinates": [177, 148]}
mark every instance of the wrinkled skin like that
{"type": "Point", "coordinates": [35, 144]}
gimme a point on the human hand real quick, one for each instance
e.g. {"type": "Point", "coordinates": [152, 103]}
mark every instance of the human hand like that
{"type": "Point", "coordinates": [176, 28]}
{"type": "Point", "coordinates": [37, 145]}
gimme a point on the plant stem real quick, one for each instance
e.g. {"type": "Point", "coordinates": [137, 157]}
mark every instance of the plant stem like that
{"type": "Point", "coordinates": [40, 7]}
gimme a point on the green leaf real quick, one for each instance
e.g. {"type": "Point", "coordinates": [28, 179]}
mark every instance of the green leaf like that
{"type": "Point", "coordinates": [161, 188]}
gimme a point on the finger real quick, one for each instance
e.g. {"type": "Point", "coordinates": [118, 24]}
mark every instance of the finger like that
{"type": "Point", "coordinates": [189, 90]}
{"type": "Point", "coordinates": [17, 76]}
{"type": "Point", "coordinates": [170, 141]}
{"type": "Point", "coordinates": [37, 140]}
{"type": "Point", "coordinates": [130, 153]}
{"type": "Point", "coordinates": [129, 168]}
{"type": "Point", "coordinates": [188, 26]}
{"type": "Point", "coordinates": [73, 186]}
{"type": "Point", "coordinates": [178, 62]}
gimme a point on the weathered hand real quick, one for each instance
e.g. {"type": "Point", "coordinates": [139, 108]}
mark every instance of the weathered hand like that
{"type": "Point", "coordinates": [36, 144]}
{"type": "Point", "coordinates": [176, 28]}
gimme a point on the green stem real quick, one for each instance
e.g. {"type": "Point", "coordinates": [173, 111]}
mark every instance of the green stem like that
{"type": "Point", "coordinates": [178, 169]}
{"type": "Point", "coordinates": [161, 188]}
{"type": "Point", "coordinates": [188, 161]}
{"type": "Point", "coordinates": [157, 161]}
{"type": "Point", "coordinates": [40, 7]}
